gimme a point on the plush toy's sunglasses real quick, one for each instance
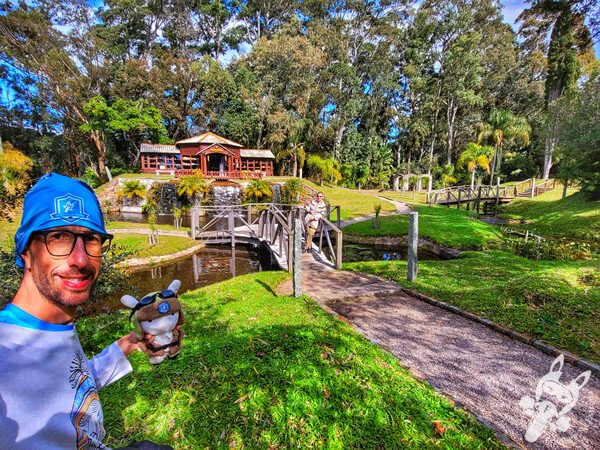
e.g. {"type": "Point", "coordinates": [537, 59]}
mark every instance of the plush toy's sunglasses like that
{"type": "Point", "coordinates": [151, 298]}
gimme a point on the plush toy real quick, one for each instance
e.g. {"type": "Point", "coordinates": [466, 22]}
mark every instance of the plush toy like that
{"type": "Point", "coordinates": [157, 314]}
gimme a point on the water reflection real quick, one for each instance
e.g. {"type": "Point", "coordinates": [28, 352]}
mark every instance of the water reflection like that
{"type": "Point", "coordinates": [366, 252]}
{"type": "Point", "coordinates": [207, 266]}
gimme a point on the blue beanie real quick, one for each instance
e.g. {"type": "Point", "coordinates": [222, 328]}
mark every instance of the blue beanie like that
{"type": "Point", "coordinates": [57, 201]}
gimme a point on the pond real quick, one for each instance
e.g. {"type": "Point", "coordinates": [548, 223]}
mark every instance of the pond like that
{"type": "Point", "coordinates": [353, 252]}
{"type": "Point", "coordinates": [209, 265]}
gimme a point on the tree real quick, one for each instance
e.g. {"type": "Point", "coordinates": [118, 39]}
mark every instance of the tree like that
{"type": "Point", "coordinates": [576, 122]}
{"type": "Point", "coordinates": [502, 128]}
{"type": "Point", "coordinates": [65, 67]}
{"type": "Point", "coordinates": [475, 156]}
{"type": "Point", "coordinates": [564, 22]}
{"type": "Point", "coordinates": [193, 186]}
{"type": "Point", "coordinates": [323, 169]}
{"type": "Point", "coordinates": [134, 190]}
{"type": "Point", "coordinates": [257, 191]}
{"type": "Point", "coordinates": [131, 121]}
{"type": "Point", "coordinates": [15, 168]}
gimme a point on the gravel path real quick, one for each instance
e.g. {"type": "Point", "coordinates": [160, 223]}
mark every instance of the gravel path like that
{"type": "Point", "coordinates": [482, 370]}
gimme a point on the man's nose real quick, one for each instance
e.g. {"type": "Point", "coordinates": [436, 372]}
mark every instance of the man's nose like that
{"type": "Point", "coordinates": [78, 256]}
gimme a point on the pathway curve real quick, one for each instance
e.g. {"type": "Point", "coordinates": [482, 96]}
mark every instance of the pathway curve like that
{"type": "Point", "coordinates": [401, 208]}
{"type": "Point", "coordinates": [482, 370]}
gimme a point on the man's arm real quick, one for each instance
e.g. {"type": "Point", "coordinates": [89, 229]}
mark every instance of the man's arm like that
{"type": "Point", "coordinates": [112, 364]}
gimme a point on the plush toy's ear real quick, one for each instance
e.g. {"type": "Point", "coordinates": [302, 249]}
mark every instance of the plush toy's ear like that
{"type": "Point", "coordinates": [174, 286]}
{"type": "Point", "coordinates": [129, 301]}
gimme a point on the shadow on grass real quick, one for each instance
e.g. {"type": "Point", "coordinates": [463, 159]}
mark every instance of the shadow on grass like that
{"type": "Point", "coordinates": [279, 372]}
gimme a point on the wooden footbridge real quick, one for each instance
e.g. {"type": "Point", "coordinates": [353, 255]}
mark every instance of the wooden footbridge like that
{"type": "Point", "coordinates": [270, 223]}
{"type": "Point", "coordinates": [464, 194]}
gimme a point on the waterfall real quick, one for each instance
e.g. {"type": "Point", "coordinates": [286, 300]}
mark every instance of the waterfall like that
{"type": "Point", "coordinates": [225, 193]}
{"type": "Point", "coordinates": [168, 198]}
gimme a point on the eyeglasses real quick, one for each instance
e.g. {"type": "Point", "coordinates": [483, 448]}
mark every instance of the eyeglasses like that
{"type": "Point", "coordinates": [163, 308]}
{"type": "Point", "coordinates": [62, 242]}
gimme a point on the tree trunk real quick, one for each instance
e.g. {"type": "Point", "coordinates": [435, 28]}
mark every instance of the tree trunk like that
{"type": "Point", "coordinates": [337, 144]}
{"type": "Point", "coordinates": [493, 165]}
{"type": "Point", "coordinates": [473, 179]}
{"type": "Point", "coordinates": [451, 111]}
{"type": "Point", "coordinates": [548, 157]}
{"type": "Point", "coordinates": [100, 154]}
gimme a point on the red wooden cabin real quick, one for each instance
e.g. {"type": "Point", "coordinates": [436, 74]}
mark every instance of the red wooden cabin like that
{"type": "Point", "coordinates": [215, 156]}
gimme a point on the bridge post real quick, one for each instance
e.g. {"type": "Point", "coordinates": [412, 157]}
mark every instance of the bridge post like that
{"type": "Point", "coordinates": [532, 188]}
{"type": "Point", "coordinates": [413, 244]}
{"type": "Point", "coordinates": [297, 265]}
{"type": "Point", "coordinates": [231, 227]}
{"type": "Point", "coordinates": [194, 213]}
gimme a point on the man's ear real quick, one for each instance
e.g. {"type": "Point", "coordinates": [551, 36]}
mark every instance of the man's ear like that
{"type": "Point", "coordinates": [26, 256]}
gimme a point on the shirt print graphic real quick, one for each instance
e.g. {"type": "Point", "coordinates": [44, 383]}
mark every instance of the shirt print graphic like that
{"type": "Point", "coordinates": [86, 414]}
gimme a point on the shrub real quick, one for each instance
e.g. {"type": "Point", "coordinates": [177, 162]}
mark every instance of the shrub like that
{"type": "Point", "coordinates": [292, 191]}
{"type": "Point", "coordinates": [257, 191]}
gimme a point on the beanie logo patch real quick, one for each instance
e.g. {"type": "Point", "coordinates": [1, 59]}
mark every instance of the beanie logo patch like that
{"type": "Point", "coordinates": [69, 208]}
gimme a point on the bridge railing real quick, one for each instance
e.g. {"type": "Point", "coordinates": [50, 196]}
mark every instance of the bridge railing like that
{"type": "Point", "coordinates": [459, 194]}
{"type": "Point", "coordinates": [269, 222]}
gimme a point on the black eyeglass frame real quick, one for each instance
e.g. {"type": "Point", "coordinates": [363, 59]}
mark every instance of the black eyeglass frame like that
{"type": "Point", "coordinates": [103, 238]}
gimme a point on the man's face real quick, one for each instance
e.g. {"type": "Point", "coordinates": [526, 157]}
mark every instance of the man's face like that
{"type": "Point", "coordinates": [319, 197]}
{"type": "Point", "coordinates": [63, 280]}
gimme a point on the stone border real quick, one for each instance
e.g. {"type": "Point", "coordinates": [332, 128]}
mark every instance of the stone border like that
{"type": "Point", "coordinates": [150, 261]}
{"type": "Point", "coordinates": [571, 358]}
{"type": "Point", "coordinates": [440, 250]}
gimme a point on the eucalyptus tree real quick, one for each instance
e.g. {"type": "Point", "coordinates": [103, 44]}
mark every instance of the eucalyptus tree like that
{"type": "Point", "coordinates": [287, 68]}
{"type": "Point", "coordinates": [55, 45]}
{"type": "Point", "coordinates": [263, 18]}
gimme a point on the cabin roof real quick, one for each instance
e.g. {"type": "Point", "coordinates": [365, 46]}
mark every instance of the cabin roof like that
{"type": "Point", "coordinates": [159, 148]}
{"type": "Point", "coordinates": [256, 153]}
{"type": "Point", "coordinates": [208, 138]}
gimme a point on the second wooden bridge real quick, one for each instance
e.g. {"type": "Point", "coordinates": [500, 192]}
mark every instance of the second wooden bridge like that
{"type": "Point", "coordinates": [456, 195]}
{"type": "Point", "coordinates": [270, 223]}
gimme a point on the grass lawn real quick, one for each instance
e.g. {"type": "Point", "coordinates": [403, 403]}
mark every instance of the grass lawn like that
{"type": "Point", "coordinates": [551, 216]}
{"type": "Point", "coordinates": [558, 302]}
{"type": "Point", "coordinates": [115, 224]}
{"type": "Point", "coordinates": [262, 371]}
{"type": "Point", "coordinates": [407, 197]}
{"type": "Point", "coordinates": [138, 245]}
{"type": "Point", "coordinates": [444, 226]}
{"type": "Point", "coordinates": [353, 203]}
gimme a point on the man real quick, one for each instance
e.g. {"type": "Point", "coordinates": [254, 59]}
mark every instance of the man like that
{"type": "Point", "coordinates": [315, 210]}
{"type": "Point", "coordinates": [48, 388]}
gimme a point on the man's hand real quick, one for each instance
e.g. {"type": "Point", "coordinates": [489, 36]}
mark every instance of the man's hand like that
{"type": "Point", "coordinates": [128, 344]}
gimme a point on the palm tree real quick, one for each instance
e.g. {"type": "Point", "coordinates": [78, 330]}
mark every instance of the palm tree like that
{"type": "Point", "coordinates": [257, 190]}
{"type": "Point", "coordinates": [296, 153]}
{"type": "Point", "coordinates": [324, 169]}
{"type": "Point", "coordinates": [194, 185]}
{"type": "Point", "coordinates": [502, 128]}
{"type": "Point", "coordinates": [475, 156]}
{"type": "Point", "coordinates": [133, 190]}
{"type": "Point", "coordinates": [292, 190]}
